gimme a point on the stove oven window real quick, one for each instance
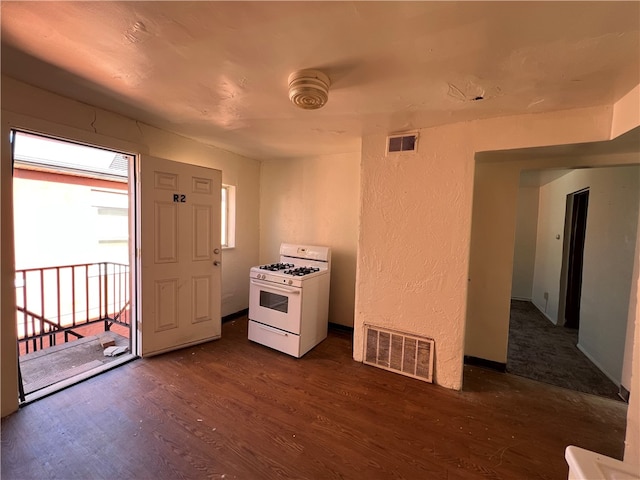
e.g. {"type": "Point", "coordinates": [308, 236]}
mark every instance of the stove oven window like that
{"type": "Point", "coordinates": [274, 301]}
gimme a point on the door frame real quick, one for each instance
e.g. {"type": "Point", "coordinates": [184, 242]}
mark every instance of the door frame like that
{"type": "Point", "coordinates": [16, 121]}
{"type": "Point", "coordinates": [566, 251]}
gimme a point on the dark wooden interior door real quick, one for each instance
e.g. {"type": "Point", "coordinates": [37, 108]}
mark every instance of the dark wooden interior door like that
{"type": "Point", "coordinates": [576, 255]}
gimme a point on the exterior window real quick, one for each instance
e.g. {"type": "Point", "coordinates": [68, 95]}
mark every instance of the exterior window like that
{"type": "Point", "coordinates": [228, 222]}
{"type": "Point", "coordinates": [111, 224]}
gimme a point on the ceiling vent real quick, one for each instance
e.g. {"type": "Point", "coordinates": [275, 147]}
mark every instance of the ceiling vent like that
{"type": "Point", "coordinates": [309, 89]}
{"type": "Point", "coordinates": [407, 142]}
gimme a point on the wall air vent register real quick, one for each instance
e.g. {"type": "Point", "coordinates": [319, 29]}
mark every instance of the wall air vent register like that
{"type": "Point", "coordinates": [399, 352]}
{"type": "Point", "coordinates": [402, 143]}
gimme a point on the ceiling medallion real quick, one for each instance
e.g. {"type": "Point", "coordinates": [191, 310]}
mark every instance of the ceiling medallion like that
{"type": "Point", "coordinates": [309, 89]}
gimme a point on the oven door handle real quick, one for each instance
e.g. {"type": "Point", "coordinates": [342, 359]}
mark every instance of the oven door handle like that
{"type": "Point", "coordinates": [272, 330]}
{"type": "Point", "coordinates": [281, 289]}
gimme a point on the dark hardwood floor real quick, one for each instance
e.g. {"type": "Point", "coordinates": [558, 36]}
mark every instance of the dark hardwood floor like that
{"type": "Point", "coordinates": [233, 409]}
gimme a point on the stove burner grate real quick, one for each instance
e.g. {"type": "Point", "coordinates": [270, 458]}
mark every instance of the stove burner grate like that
{"type": "Point", "coordinates": [274, 267]}
{"type": "Point", "coordinates": [301, 271]}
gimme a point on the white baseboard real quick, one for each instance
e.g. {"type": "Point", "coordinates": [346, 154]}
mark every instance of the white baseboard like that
{"type": "Point", "coordinates": [544, 313]}
{"type": "Point", "coordinates": [597, 364]}
{"type": "Point", "coordinates": [523, 299]}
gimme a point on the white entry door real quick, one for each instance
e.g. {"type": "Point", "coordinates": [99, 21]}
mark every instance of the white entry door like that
{"type": "Point", "coordinates": [180, 255]}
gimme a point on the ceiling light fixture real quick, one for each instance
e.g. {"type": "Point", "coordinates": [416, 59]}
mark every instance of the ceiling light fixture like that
{"type": "Point", "coordinates": [309, 89]}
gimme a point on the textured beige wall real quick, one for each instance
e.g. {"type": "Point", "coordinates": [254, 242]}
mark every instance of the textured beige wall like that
{"type": "Point", "coordinates": [626, 115]}
{"type": "Point", "coordinates": [627, 364]}
{"type": "Point", "coordinates": [546, 281]}
{"type": "Point", "coordinates": [524, 253]}
{"type": "Point", "coordinates": [491, 260]}
{"type": "Point", "coordinates": [315, 201]}
{"type": "Point", "coordinates": [413, 245]}
{"type": "Point", "coordinates": [415, 233]}
{"type": "Point", "coordinates": [632, 439]}
{"type": "Point", "coordinates": [30, 108]}
{"type": "Point", "coordinates": [8, 328]}
{"type": "Point", "coordinates": [626, 112]}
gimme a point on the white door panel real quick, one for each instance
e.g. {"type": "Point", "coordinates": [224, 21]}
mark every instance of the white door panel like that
{"type": "Point", "coordinates": [180, 241]}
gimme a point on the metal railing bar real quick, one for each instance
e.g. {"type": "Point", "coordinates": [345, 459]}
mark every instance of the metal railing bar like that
{"type": "Point", "coordinates": [58, 291]}
{"type": "Point", "coordinates": [104, 278]}
{"type": "Point", "coordinates": [86, 287]}
{"type": "Point", "coordinates": [49, 334]}
{"type": "Point", "coordinates": [24, 300]}
{"type": "Point", "coordinates": [73, 296]}
{"type": "Point", "coordinates": [21, 395]}
{"type": "Point", "coordinates": [36, 269]}
{"type": "Point", "coordinates": [56, 330]}
{"type": "Point", "coordinates": [42, 292]}
{"type": "Point", "coordinates": [119, 295]}
{"type": "Point", "coordinates": [42, 319]}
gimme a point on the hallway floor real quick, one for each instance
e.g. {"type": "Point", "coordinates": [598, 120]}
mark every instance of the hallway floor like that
{"type": "Point", "coordinates": [545, 352]}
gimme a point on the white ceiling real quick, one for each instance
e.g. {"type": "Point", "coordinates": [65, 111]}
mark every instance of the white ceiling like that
{"type": "Point", "coordinates": [217, 71]}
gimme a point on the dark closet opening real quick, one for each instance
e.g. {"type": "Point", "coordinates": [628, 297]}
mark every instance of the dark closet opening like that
{"type": "Point", "coordinates": [580, 202]}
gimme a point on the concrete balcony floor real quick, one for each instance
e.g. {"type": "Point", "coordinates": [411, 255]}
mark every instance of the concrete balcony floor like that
{"type": "Point", "coordinates": [58, 363]}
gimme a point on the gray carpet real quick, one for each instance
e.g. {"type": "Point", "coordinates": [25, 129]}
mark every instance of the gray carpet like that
{"type": "Point", "coordinates": [547, 353]}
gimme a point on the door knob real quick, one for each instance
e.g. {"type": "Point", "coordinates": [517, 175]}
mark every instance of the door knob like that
{"type": "Point", "coordinates": [216, 263]}
{"type": "Point", "coordinates": [216, 251]}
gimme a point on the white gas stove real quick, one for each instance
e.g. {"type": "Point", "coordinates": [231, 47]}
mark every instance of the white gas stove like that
{"type": "Point", "coordinates": [289, 300]}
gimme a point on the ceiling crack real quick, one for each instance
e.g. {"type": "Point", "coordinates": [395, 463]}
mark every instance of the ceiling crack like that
{"type": "Point", "coordinates": [93, 122]}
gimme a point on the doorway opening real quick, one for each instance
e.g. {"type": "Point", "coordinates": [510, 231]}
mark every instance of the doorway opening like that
{"type": "Point", "coordinates": [569, 307]}
{"type": "Point", "coordinates": [72, 231]}
{"type": "Point", "coordinates": [573, 256]}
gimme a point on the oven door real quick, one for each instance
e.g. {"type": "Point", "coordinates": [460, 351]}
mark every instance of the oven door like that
{"type": "Point", "coordinates": [278, 306]}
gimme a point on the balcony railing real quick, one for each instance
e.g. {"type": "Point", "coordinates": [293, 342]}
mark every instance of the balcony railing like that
{"type": "Point", "coordinates": [54, 302]}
